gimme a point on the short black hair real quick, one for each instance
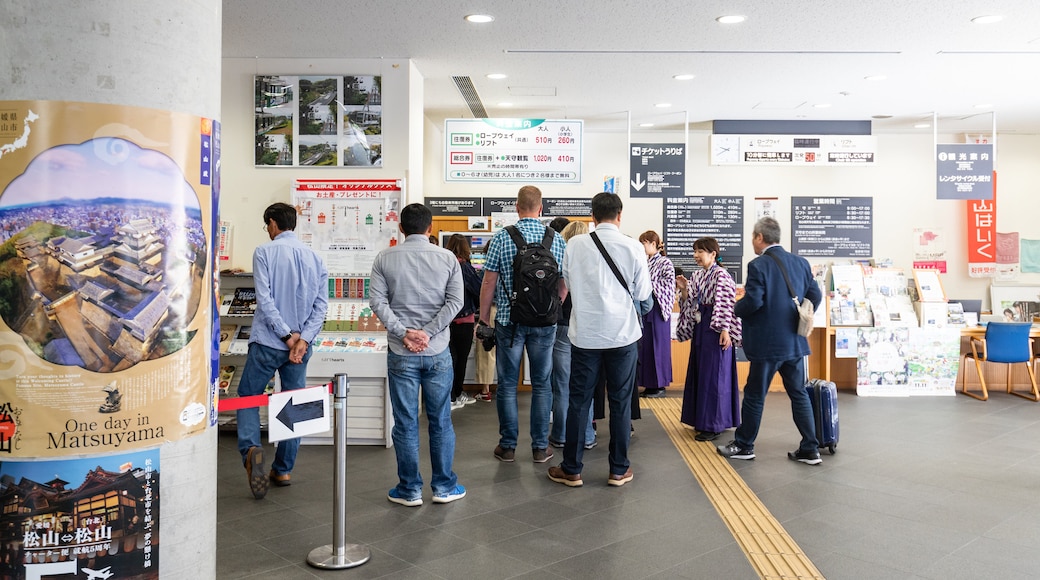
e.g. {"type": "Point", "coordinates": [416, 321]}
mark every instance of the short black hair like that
{"type": "Point", "coordinates": [606, 206]}
{"type": "Point", "coordinates": [416, 219]}
{"type": "Point", "coordinates": [558, 223]}
{"type": "Point", "coordinates": [283, 214]}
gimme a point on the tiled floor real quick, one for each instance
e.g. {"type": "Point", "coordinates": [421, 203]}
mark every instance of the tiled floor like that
{"type": "Point", "coordinates": [940, 488]}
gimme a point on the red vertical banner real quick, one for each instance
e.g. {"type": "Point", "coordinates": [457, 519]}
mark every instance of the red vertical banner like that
{"type": "Point", "coordinates": [982, 236]}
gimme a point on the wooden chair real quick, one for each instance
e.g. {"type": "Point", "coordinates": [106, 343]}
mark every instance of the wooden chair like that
{"type": "Point", "coordinates": [1007, 343]}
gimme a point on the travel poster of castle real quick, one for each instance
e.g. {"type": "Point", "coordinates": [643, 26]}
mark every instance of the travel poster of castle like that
{"type": "Point", "coordinates": [105, 281]}
{"type": "Point", "coordinates": [94, 518]}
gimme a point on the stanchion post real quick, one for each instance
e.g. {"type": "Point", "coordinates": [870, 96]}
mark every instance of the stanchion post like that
{"type": "Point", "coordinates": [339, 555]}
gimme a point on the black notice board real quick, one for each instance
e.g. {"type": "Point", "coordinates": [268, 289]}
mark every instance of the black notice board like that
{"type": "Point", "coordinates": [833, 227]}
{"type": "Point", "coordinates": [688, 218]}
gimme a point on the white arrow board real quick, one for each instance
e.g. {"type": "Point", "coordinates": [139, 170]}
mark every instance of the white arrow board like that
{"type": "Point", "coordinates": [298, 413]}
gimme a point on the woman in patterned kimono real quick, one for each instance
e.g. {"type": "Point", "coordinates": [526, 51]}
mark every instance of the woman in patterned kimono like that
{"type": "Point", "coordinates": [655, 348]}
{"type": "Point", "coordinates": [711, 400]}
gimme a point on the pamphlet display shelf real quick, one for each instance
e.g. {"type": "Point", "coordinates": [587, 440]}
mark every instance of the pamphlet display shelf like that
{"type": "Point", "coordinates": [368, 411]}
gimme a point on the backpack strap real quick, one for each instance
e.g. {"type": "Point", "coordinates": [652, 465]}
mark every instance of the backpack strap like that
{"type": "Point", "coordinates": [518, 238]}
{"type": "Point", "coordinates": [547, 239]}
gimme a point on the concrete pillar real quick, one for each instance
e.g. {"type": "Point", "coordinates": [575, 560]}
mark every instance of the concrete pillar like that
{"type": "Point", "coordinates": [159, 55]}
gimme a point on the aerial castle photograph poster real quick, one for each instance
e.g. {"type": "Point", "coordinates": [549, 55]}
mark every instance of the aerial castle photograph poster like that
{"type": "Point", "coordinates": [105, 282]}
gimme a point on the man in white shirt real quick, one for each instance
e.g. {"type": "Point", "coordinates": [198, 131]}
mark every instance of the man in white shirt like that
{"type": "Point", "coordinates": [604, 331]}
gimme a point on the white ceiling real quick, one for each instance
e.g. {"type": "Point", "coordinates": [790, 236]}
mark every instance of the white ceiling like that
{"type": "Point", "coordinates": [605, 60]}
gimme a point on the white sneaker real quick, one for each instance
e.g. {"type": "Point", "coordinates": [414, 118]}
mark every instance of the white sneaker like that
{"type": "Point", "coordinates": [465, 398]}
{"type": "Point", "coordinates": [457, 404]}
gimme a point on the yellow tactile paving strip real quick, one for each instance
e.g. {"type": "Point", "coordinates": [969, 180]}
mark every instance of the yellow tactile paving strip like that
{"type": "Point", "coordinates": [771, 551]}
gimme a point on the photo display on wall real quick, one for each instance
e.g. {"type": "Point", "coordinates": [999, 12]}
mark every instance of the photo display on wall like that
{"type": "Point", "coordinates": [318, 121]}
{"type": "Point", "coordinates": [688, 218]}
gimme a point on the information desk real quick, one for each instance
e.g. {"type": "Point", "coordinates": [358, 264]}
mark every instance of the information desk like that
{"type": "Point", "coordinates": [843, 371]}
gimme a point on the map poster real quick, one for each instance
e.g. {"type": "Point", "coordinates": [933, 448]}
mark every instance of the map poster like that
{"type": "Point", "coordinates": [105, 278]}
{"type": "Point", "coordinates": [90, 519]}
{"type": "Point", "coordinates": [347, 221]}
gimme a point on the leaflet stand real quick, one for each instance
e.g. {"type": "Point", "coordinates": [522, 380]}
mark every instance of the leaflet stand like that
{"type": "Point", "coordinates": [339, 554]}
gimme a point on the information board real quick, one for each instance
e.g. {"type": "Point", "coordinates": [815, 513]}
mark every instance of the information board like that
{"type": "Point", "coordinates": [836, 227]}
{"type": "Point", "coordinates": [964, 171]}
{"type": "Point", "coordinates": [566, 206]}
{"type": "Point", "coordinates": [347, 221]}
{"type": "Point", "coordinates": [505, 150]}
{"type": "Point", "coordinates": [657, 169]}
{"type": "Point", "coordinates": [790, 150]}
{"type": "Point", "coordinates": [454, 206]}
{"type": "Point", "coordinates": [688, 218]}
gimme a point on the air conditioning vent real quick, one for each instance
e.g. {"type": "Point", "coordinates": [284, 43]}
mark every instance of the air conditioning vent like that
{"type": "Point", "coordinates": [469, 94]}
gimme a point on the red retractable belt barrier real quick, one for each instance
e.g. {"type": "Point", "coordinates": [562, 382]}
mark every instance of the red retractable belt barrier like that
{"type": "Point", "coordinates": [235, 403]}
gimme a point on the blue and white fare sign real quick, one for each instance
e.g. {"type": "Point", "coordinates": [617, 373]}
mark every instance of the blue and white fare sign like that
{"type": "Point", "coordinates": [524, 150]}
{"type": "Point", "coordinates": [964, 171]}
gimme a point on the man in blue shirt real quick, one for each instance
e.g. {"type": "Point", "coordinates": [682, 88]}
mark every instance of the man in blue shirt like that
{"type": "Point", "coordinates": [416, 291]}
{"type": "Point", "coordinates": [511, 338]}
{"type": "Point", "coordinates": [291, 299]}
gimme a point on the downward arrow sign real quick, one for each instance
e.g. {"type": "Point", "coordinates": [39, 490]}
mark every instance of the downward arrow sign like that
{"type": "Point", "coordinates": [292, 413]}
{"type": "Point", "coordinates": [638, 183]}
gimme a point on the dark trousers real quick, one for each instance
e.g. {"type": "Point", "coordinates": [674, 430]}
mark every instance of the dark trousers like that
{"type": "Point", "coordinates": [760, 374]}
{"type": "Point", "coordinates": [460, 341]}
{"type": "Point", "coordinates": [618, 365]}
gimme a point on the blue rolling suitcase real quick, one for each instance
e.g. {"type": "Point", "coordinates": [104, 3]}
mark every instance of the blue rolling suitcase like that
{"type": "Point", "coordinates": [824, 398]}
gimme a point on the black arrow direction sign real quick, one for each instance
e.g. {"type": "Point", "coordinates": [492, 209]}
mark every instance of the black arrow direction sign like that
{"type": "Point", "coordinates": [293, 413]}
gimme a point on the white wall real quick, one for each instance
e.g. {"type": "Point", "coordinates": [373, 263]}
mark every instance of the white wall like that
{"type": "Point", "coordinates": [902, 184]}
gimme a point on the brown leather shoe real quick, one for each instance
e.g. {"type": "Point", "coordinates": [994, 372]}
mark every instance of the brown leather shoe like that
{"type": "Point", "coordinates": [282, 480]}
{"type": "Point", "coordinates": [255, 472]}
{"type": "Point", "coordinates": [557, 474]}
{"type": "Point", "coordinates": [619, 480]}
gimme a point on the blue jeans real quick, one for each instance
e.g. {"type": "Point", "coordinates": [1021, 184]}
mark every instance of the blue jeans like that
{"type": "Point", "coordinates": [561, 376]}
{"type": "Point", "coordinates": [619, 366]}
{"type": "Point", "coordinates": [434, 375]}
{"type": "Point", "coordinates": [510, 342]}
{"type": "Point", "coordinates": [261, 364]}
{"type": "Point", "coordinates": [760, 374]}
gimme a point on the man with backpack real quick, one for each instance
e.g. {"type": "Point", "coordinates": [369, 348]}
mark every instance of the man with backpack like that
{"type": "Point", "coordinates": [522, 276]}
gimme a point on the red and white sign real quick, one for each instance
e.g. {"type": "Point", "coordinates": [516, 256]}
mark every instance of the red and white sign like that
{"type": "Point", "coordinates": [982, 236]}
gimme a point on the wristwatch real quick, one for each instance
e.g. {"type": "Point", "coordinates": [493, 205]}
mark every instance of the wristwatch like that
{"type": "Point", "coordinates": [287, 337]}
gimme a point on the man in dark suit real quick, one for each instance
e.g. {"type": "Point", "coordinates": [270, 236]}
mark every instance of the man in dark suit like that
{"type": "Point", "coordinates": [772, 343]}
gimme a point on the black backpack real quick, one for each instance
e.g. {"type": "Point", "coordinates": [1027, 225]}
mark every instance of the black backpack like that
{"type": "Point", "coordinates": [535, 300]}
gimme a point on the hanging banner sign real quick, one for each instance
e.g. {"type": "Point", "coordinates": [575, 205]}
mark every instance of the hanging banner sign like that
{"type": "Point", "coordinates": [964, 171]}
{"type": "Point", "coordinates": [835, 227]}
{"type": "Point", "coordinates": [566, 206]}
{"type": "Point", "coordinates": [789, 150]}
{"type": "Point", "coordinates": [513, 150]}
{"type": "Point", "coordinates": [982, 235]}
{"type": "Point", "coordinates": [657, 169]}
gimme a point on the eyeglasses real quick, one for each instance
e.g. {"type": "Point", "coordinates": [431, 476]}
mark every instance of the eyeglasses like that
{"type": "Point", "coordinates": [266, 226]}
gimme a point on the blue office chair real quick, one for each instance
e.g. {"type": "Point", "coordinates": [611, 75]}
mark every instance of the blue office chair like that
{"type": "Point", "coordinates": [1007, 343]}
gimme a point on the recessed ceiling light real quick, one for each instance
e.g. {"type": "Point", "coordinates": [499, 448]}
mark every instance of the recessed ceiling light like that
{"type": "Point", "coordinates": [496, 76]}
{"type": "Point", "coordinates": [646, 124]}
{"type": "Point", "coordinates": [479, 18]}
{"type": "Point", "coordinates": [662, 105]}
{"type": "Point", "coordinates": [822, 105]}
{"type": "Point", "coordinates": [984, 106]}
{"type": "Point", "coordinates": [731, 19]}
{"type": "Point", "coordinates": [505, 104]}
{"type": "Point", "coordinates": [922, 125]}
{"type": "Point", "coordinates": [989, 19]}
{"type": "Point", "coordinates": [875, 78]}
{"type": "Point", "coordinates": [682, 77]}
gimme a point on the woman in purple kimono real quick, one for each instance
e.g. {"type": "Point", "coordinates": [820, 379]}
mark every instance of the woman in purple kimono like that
{"type": "Point", "coordinates": [711, 400]}
{"type": "Point", "coordinates": [655, 348]}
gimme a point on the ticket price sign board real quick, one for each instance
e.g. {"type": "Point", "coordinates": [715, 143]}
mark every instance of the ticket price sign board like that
{"type": "Point", "coordinates": [838, 227]}
{"type": "Point", "coordinates": [688, 218]}
{"type": "Point", "coordinates": [513, 150]}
